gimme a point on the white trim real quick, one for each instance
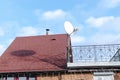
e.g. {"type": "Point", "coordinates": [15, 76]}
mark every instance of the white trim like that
{"type": "Point", "coordinates": [104, 75]}
{"type": "Point", "coordinates": [93, 64]}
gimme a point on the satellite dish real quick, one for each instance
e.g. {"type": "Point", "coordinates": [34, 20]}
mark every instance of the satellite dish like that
{"type": "Point", "coordinates": [69, 27]}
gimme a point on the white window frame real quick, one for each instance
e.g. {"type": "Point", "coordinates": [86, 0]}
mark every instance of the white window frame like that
{"type": "Point", "coordinates": [103, 75]}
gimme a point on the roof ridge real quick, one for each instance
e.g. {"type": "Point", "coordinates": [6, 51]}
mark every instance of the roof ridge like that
{"type": "Point", "coordinates": [40, 35]}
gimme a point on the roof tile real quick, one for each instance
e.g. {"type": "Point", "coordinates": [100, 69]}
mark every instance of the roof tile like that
{"type": "Point", "coordinates": [35, 53]}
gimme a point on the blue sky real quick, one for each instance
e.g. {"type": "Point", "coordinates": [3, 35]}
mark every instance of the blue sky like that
{"type": "Point", "coordinates": [98, 21]}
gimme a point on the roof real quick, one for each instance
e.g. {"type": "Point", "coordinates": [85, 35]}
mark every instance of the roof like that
{"type": "Point", "coordinates": [35, 53]}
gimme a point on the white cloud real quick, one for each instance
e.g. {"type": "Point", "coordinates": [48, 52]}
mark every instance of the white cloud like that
{"type": "Point", "coordinates": [50, 15]}
{"type": "Point", "coordinates": [28, 31]}
{"type": "Point", "coordinates": [99, 22]}
{"type": "Point", "coordinates": [108, 28]}
{"type": "Point", "coordinates": [10, 41]}
{"type": "Point", "coordinates": [77, 39]}
{"type": "Point", "coordinates": [9, 28]}
{"type": "Point", "coordinates": [106, 23]}
{"type": "Point", "coordinates": [109, 3]}
{"type": "Point", "coordinates": [2, 49]}
{"type": "Point", "coordinates": [101, 38]}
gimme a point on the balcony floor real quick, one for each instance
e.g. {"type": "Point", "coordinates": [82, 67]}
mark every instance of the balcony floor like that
{"type": "Point", "coordinates": [93, 64]}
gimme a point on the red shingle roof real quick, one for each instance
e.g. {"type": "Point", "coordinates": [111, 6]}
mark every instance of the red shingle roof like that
{"type": "Point", "coordinates": [35, 53]}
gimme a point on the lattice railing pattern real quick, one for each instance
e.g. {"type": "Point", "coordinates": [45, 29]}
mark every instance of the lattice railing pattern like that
{"type": "Point", "coordinates": [95, 53]}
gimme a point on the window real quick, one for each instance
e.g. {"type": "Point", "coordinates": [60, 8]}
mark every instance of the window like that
{"type": "Point", "coordinates": [103, 76]}
{"type": "Point", "coordinates": [22, 78]}
{"type": "Point", "coordinates": [25, 78]}
{"type": "Point", "coordinates": [31, 78]}
{"type": "Point", "coordinates": [10, 78]}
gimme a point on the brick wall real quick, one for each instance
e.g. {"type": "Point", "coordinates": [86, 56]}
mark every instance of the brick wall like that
{"type": "Point", "coordinates": [62, 76]}
{"type": "Point", "coordinates": [70, 76]}
{"type": "Point", "coordinates": [117, 76]}
{"type": "Point", "coordinates": [77, 76]}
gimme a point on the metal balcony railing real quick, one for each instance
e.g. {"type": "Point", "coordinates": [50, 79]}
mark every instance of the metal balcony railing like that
{"type": "Point", "coordinates": [96, 53]}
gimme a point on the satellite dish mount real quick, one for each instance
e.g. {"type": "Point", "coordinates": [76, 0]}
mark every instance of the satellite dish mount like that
{"type": "Point", "coordinates": [69, 30]}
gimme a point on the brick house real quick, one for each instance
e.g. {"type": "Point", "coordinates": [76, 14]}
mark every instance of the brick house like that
{"type": "Point", "coordinates": [51, 57]}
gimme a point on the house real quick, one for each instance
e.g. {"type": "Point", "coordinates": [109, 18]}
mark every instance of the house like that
{"type": "Point", "coordinates": [51, 57]}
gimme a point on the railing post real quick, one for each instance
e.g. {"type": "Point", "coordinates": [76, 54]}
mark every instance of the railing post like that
{"type": "Point", "coordinates": [95, 59]}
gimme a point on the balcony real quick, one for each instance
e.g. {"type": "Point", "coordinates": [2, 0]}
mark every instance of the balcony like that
{"type": "Point", "coordinates": [95, 56]}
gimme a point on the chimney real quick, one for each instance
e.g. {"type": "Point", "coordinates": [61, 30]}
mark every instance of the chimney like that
{"type": "Point", "coordinates": [47, 31]}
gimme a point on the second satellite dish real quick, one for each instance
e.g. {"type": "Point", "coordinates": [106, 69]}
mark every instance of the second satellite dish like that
{"type": "Point", "coordinates": [68, 27]}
